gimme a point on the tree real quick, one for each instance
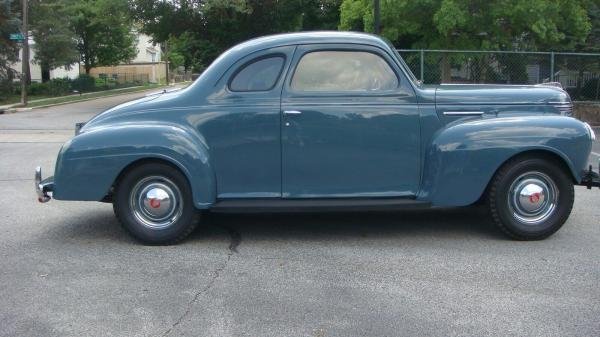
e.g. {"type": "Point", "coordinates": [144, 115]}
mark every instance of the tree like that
{"type": "Point", "coordinates": [55, 43]}
{"type": "Point", "coordinates": [199, 30]}
{"type": "Point", "coordinates": [592, 43]}
{"type": "Point", "coordinates": [104, 31]}
{"type": "Point", "coordinates": [9, 49]}
{"type": "Point", "coordinates": [474, 24]}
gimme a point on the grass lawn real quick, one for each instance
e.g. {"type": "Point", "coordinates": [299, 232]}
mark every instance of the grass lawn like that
{"type": "Point", "coordinates": [35, 101]}
{"type": "Point", "coordinates": [17, 98]}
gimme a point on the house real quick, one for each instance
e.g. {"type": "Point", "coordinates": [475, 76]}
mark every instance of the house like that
{"type": "Point", "coordinates": [145, 67]}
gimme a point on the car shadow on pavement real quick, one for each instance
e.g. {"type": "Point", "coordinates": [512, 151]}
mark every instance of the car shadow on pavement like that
{"type": "Point", "coordinates": [441, 223]}
{"type": "Point", "coordinates": [471, 222]}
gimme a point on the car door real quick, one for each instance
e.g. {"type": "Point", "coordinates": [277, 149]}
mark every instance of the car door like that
{"type": "Point", "coordinates": [350, 125]}
{"type": "Point", "coordinates": [242, 127]}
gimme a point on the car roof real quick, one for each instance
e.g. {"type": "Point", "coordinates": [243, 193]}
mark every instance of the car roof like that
{"type": "Point", "coordinates": [271, 41]}
{"type": "Point", "coordinates": [216, 70]}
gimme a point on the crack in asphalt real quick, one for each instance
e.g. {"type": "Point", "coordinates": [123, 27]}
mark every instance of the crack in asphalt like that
{"type": "Point", "coordinates": [235, 238]}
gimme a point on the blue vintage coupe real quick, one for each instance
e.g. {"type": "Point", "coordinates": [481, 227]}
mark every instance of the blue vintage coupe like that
{"type": "Point", "coordinates": [327, 121]}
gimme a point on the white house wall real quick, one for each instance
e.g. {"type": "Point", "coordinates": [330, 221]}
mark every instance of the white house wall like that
{"type": "Point", "coordinates": [146, 53]}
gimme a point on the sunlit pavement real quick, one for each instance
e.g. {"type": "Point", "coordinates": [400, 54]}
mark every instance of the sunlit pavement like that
{"type": "Point", "coordinates": [67, 268]}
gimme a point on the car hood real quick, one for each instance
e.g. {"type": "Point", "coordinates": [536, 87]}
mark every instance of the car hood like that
{"type": "Point", "coordinates": [482, 94]}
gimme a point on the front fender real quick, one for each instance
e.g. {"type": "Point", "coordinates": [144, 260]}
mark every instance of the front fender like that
{"type": "Point", "coordinates": [464, 156]}
{"type": "Point", "coordinates": [88, 164]}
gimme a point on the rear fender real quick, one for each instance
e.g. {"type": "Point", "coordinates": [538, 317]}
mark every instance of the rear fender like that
{"type": "Point", "coordinates": [463, 156]}
{"type": "Point", "coordinates": [89, 164]}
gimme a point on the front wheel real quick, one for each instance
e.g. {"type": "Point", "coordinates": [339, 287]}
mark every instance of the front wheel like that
{"type": "Point", "coordinates": [531, 198]}
{"type": "Point", "coordinates": [154, 203]}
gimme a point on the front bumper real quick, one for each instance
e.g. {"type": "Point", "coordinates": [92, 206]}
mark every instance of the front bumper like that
{"type": "Point", "coordinates": [43, 188]}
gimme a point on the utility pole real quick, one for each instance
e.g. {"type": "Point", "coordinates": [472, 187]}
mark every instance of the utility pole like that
{"type": "Point", "coordinates": [25, 75]}
{"type": "Point", "coordinates": [167, 60]}
{"type": "Point", "coordinates": [377, 14]}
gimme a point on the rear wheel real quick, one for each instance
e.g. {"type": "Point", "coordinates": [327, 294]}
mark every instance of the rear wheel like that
{"type": "Point", "coordinates": [154, 203]}
{"type": "Point", "coordinates": [531, 198]}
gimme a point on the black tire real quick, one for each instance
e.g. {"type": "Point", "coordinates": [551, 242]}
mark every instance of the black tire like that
{"type": "Point", "coordinates": [135, 215]}
{"type": "Point", "coordinates": [509, 207]}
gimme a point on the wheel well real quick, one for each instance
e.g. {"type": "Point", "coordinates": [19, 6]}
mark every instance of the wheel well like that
{"type": "Point", "coordinates": [532, 154]}
{"type": "Point", "coordinates": [135, 164]}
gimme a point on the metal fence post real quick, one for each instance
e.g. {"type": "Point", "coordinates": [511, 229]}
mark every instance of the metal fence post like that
{"type": "Point", "coordinates": [551, 66]}
{"type": "Point", "coordinates": [422, 66]}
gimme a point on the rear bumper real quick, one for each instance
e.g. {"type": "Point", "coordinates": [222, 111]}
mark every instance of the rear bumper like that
{"type": "Point", "coordinates": [590, 178]}
{"type": "Point", "coordinates": [43, 188]}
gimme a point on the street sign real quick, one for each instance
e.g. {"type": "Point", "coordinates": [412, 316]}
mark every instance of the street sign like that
{"type": "Point", "coordinates": [17, 36]}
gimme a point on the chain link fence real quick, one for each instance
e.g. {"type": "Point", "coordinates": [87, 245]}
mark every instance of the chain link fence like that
{"type": "Point", "coordinates": [177, 76]}
{"type": "Point", "coordinates": [578, 73]}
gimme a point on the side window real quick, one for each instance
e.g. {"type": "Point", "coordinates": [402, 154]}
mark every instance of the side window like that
{"type": "Point", "coordinates": [259, 75]}
{"type": "Point", "coordinates": [343, 71]}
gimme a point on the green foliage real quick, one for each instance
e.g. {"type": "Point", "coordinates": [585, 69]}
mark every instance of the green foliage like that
{"type": "Point", "coordinates": [54, 87]}
{"type": "Point", "coordinates": [9, 10]}
{"type": "Point", "coordinates": [104, 31]}
{"type": "Point", "coordinates": [65, 86]}
{"type": "Point", "coordinates": [199, 30]}
{"type": "Point", "coordinates": [176, 59]}
{"type": "Point", "coordinates": [83, 83]}
{"type": "Point", "coordinates": [474, 24]}
{"type": "Point", "coordinates": [592, 43]}
{"type": "Point", "coordinates": [54, 40]}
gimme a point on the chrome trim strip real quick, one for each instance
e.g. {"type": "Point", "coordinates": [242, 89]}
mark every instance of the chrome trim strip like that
{"type": "Point", "coordinates": [463, 113]}
{"type": "Point", "coordinates": [292, 112]}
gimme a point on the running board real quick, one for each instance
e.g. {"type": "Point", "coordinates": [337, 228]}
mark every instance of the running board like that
{"type": "Point", "coordinates": [316, 205]}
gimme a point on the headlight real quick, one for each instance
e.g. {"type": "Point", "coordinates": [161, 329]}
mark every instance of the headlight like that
{"type": "Point", "coordinates": [590, 131]}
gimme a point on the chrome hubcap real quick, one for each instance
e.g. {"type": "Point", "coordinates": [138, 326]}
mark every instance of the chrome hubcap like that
{"type": "Point", "coordinates": [532, 198]}
{"type": "Point", "coordinates": [156, 202]}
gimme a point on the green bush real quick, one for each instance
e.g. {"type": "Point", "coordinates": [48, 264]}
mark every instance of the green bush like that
{"type": "Point", "coordinates": [59, 86]}
{"type": "Point", "coordinates": [7, 88]}
{"type": "Point", "coordinates": [54, 87]}
{"type": "Point", "coordinates": [84, 83]}
{"type": "Point", "coordinates": [37, 89]}
{"type": "Point", "coordinates": [65, 86]}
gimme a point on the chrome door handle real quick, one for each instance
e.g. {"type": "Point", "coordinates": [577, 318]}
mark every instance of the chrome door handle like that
{"type": "Point", "coordinates": [292, 112]}
{"type": "Point", "coordinates": [463, 113]}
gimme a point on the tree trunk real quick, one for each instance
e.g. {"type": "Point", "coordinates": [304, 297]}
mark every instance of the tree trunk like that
{"type": "Point", "coordinates": [45, 73]}
{"type": "Point", "coordinates": [87, 66]}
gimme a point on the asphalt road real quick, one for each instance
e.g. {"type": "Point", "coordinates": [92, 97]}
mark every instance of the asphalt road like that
{"type": "Point", "coordinates": [68, 269]}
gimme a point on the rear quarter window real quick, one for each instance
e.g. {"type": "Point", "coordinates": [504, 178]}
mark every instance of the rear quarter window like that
{"type": "Point", "coordinates": [257, 75]}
